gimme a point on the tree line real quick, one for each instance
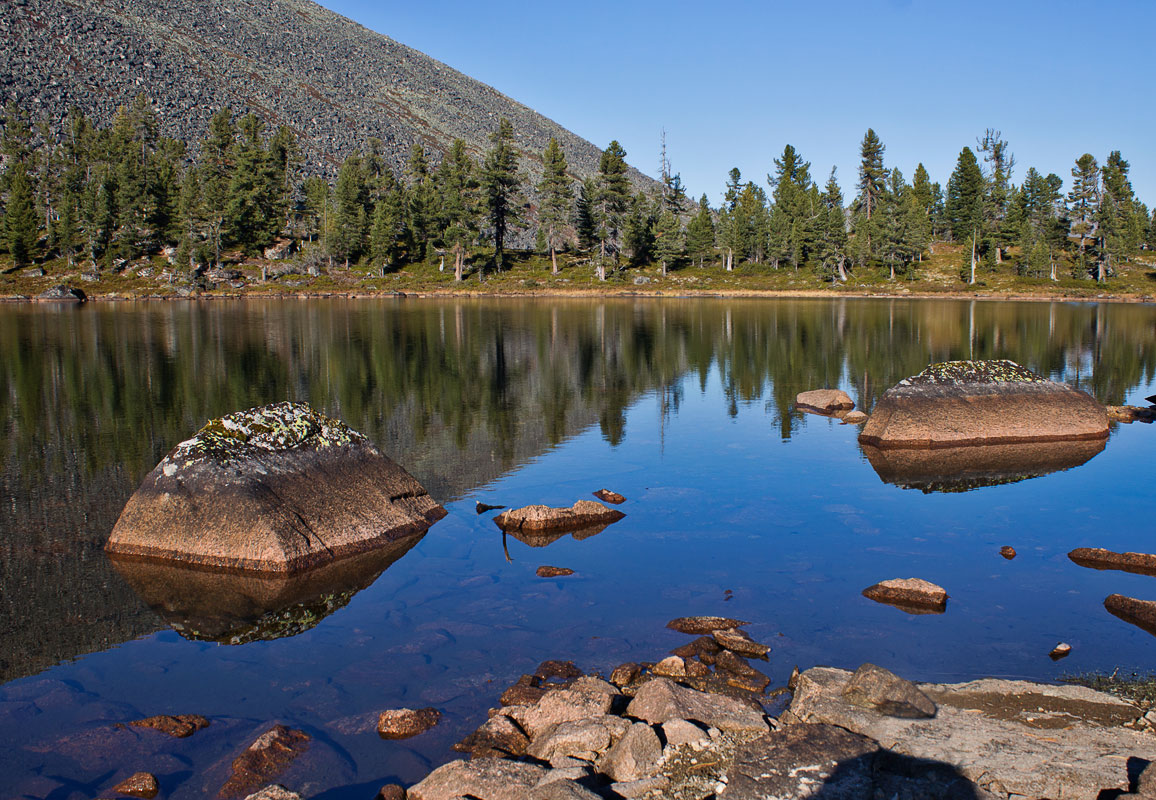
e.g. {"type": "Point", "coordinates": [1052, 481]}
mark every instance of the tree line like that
{"type": "Point", "coordinates": [106, 196]}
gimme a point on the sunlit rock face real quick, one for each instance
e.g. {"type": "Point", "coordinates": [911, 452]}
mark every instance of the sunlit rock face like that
{"type": "Point", "coordinates": [279, 489]}
{"type": "Point", "coordinates": [961, 403]}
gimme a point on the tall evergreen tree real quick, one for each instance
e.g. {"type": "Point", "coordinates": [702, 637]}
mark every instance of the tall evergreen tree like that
{"type": "Point", "coordinates": [20, 227]}
{"type": "Point", "coordinates": [613, 202]}
{"type": "Point", "coordinates": [216, 176]}
{"type": "Point", "coordinates": [556, 196]}
{"type": "Point", "coordinates": [421, 198]}
{"type": "Point", "coordinates": [1000, 163]}
{"type": "Point", "coordinates": [1084, 204]}
{"type": "Point", "coordinates": [349, 207]}
{"type": "Point", "coordinates": [586, 224]}
{"type": "Point", "coordinates": [833, 237]}
{"type": "Point", "coordinates": [700, 233]}
{"type": "Point", "coordinates": [792, 210]}
{"type": "Point", "coordinates": [872, 173]}
{"type": "Point", "coordinates": [964, 207]}
{"type": "Point", "coordinates": [668, 239]}
{"type": "Point", "coordinates": [457, 204]}
{"type": "Point", "coordinates": [500, 184]}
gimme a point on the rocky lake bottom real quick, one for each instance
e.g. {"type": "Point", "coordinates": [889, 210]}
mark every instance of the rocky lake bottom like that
{"type": "Point", "coordinates": [735, 505]}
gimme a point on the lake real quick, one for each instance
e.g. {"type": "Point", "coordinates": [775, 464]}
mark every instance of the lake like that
{"type": "Point", "coordinates": [736, 505]}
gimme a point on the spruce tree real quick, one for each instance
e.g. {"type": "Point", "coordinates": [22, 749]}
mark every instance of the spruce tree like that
{"type": "Point", "coordinates": [457, 204]}
{"type": "Point", "coordinates": [872, 174]}
{"type": "Point", "coordinates": [638, 230]}
{"type": "Point", "coordinates": [613, 202]}
{"type": "Point", "coordinates": [833, 238]}
{"type": "Point", "coordinates": [421, 198]}
{"type": "Point", "coordinates": [350, 218]}
{"type": "Point", "coordinates": [1084, 204]}
{"type": "Point", "coordinates": [586, 215]}
{"type": "Point", "coordinates": [20, 228]}
{"type": "Point", "coordinates": [216, 177]}
{"type": "Point", "coordinates": [556, 195]}
{"type": "Point", "coordinates": [1000, 163]}
{"type": "Point", "coordinates": [500, 184]}
{"type": "Point", "coordinates": [964, 207]}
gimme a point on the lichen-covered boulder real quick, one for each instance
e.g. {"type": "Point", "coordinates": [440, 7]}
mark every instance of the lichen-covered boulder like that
{"type": "Point", "coordinates": [280, 488]}
{"type": "Point", "coordinates": [981, 402]}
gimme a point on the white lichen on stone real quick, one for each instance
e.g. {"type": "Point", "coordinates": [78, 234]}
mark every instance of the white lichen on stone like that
{"type": "Point", "coordinates": [272, 428]}
{"type": "Point", "coordinates": [952, 372]}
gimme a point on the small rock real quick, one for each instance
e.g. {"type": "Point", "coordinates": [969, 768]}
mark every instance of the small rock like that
{"type": "Point", "coordinates": [1008, 552]}
{"type": "Point", "coordinates": [498, 737]}
{"type": "Point", "coordinates": [33, 272]}
{"type": "Point", "coordinates": [641, 280]}
{"type": "Point", "coordinates": [740, 673]}
{"type": "Point", "coordinates": [591, 683]}
{"type": "Point", "coordinates": [854, 418]}
{"type": "Point", "coordinates": [739, 642]}
{"type": "Point", "coordinates": [908, 593]}
{"type": "Point", "coordinates": [634, 756]}
{"type": "Point", "coordinates": [607, 496]}
{"type": "Point", "coordinates": [402, 723]}
{"type": "Point", "coordinates": [560, 790]}
{"type": "Point", "coordinates": [266, 758]}
{"type": "Point", "coordinates": [681, 732]}
{"type": "Point", "coordinates": [700, 646]}
{"type": "Point", "coordinates": [824, 401]}
{"type": "Point", "coordinates": [583, 513]}
{"type": "Point", "coordinates": [883, 691]}
{"type": "Point", "coordinates": [482, 508]}
{"type": "Point", "coordinates": [566, 670]}
{"type": "Point", "coordinates": [700, 625]}
{"type": "Point", "coordinates": [179, 726]}
{"type": "Point", "coordinates": [696, 669]}
{"type": "Point", "coordinates": [671, 667]}
{"type": "Point", "coordinates": [522, 695]}
{"type": "Point", "coordinates": [142, 784]}
{"type": "Point", "coordinates": [661, 699]}
{"type": "Point", "coordinates": [554, 572]}
{"type": "Point", "coordinates": [625, 674]}
{"type": "Point", "coordinates": [391, 791]}
{"type": "Point", "coordinates": [1061, 650]}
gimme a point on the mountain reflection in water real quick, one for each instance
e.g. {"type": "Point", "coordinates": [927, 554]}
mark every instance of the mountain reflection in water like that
{"type": "Point", "coordinates": [237, 608]}
{"type": "Point", "coordinates": [961, 469]}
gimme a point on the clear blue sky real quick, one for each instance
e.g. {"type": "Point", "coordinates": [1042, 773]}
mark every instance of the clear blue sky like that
{"type": "Point", "coordinates": [733, 82]}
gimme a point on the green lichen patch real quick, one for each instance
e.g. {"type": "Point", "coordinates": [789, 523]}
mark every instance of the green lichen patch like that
{"type": "Point", "coordinates": [272, 428]}
{"type": "Point", "coordinates": [951, 372]}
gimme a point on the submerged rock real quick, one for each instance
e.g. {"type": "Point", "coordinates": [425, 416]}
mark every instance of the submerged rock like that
{"type": "Point", "coordinates": [279, 488]}
{"type": "Point", "coordinates": [403, 723]}
{"type": "Point", "coordinates": [824, 401]}
{"type": "Point", "coordinates": [913, 595]}
{"type": "Point", "coordinates": [265, 759]}
{"type": "Point", "coordinates": [142, 784]}
{"type": "Point", "coordinates": [583, 514]}
{"type": "Point", "coordinates": [958, 403]}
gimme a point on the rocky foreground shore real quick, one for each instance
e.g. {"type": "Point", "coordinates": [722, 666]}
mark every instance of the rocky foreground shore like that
{"type": "Point", "coordinates": [694, 726]}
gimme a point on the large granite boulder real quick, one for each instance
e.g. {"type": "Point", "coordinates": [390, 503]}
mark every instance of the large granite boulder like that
{"type": "Point", "coordinates": [279, 488]}
{"type": "Point", "coordinates": [959, 403]}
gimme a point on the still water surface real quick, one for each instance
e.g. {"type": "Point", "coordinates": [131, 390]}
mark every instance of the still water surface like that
{"type": "Point", "coordinates": [737, 505]}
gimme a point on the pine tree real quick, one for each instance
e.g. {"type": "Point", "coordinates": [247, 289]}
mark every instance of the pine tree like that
{"type": "Point", "coordinates": [613, 202]}
{"type": "Point", "coordinates": [872, 174]}
{"type": "Point", "coordinates": [420, 197]}
{"type": "Point", "coordinates": [556, 194]}
{"type": "Point", "coordinates": [500, 184]}
{"type": "Point", "coordinates": [1120, 219]}
{"type": "Point", "coordinates": [20, 228]}
{"type": "Point", "coordinates": [1084, 203]}
{"type": "Point", "coordinates": [253, 216]}
{"type": "Point", "coordinates": [457, 204]}
{"type": "Point", "coordinates": [833, 236]}
{"type": "Point", "coordinates": [638, 231]}
{"type": "Point", "coordinates": [216, 176]}
{"type": "Point", "coordinates": [1000, 163]}
{"type": "Point", "coordinates": [792, 211]}
{"type": "Point", "coordinates": [700, 233]}
{"type": "Point", "coordinates": [668, 239]}
{"type": "Point", "coordinates": [349, 208]}
{"type": "Point", "coordinates": [964, 207]}
{"type": "Point", "coordinates": [586, 215]}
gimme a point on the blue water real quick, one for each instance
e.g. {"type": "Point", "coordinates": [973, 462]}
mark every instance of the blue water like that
{"type": "Point", "coordinates": [736, 505]}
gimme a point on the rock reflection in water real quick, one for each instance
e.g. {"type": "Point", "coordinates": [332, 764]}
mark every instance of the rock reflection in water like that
{"type": "Point", "coordinates": [961, 469]}
{"type": "Point", "coordinates": [545, 538]}
{"type": "Point", "coordinates": [232, 608]}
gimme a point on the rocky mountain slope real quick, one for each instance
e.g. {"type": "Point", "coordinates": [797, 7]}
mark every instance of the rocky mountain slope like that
{"type": "Point", "coordinates": [292, 62]}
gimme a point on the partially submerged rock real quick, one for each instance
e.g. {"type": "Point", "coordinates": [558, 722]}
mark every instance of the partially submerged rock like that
{"type": "Point", "coordinates": [854, 418]}
{"type": "Point", "coordinates": [824, 401]}
{"type": "Point", "coordinates": [179, 726]}
{"type": "Point", "coordinates": [265, 759]}
{"type": "Point", "coordinates": [583, 514]}
{"type": "Point", "coordinates": [1130, 414]}
{"type": "Point", "coordinates": [1008, 737]}
{"type": "Point", "coordinates": [141, 784]}
{"type": "Point", "coordinates": [1099, 558]}
{"type": "Point", "coordinates": [1008, 552]}
{"type": "Point", "coordinates": [1141, 613]}
{"type": "Point", "coordinates": [738, 642]}
{"type": "Point", "coordinates": [608, 496]}
{"type": "Point", "coordinates": [957, 403]}
{"type": "Point", "coordinates": [1061, 650]}
{"type": "Point", "coordinates": [279, 488]}
{"type": "Point", "coordinates": [701, 625]}
{"type": "Point", "coordinates": [546, 571]}
{"type": "Point", "coordinates": [404, 723]}
{"type": "Point", "coordinates": [913, 595]}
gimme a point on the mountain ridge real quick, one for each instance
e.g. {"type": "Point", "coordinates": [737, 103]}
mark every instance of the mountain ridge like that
{"type": "Point", "coordinates": [334, 82]}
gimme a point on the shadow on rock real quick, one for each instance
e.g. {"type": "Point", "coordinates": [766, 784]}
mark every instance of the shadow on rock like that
{"type": "Point", "coordinates": [232, 608]}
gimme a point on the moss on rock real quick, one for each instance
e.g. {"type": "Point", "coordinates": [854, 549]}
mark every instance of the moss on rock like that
{"type": "Point", "coordinates": [998, 371]}
{"type": "Point", "coordinates": [271, 428]}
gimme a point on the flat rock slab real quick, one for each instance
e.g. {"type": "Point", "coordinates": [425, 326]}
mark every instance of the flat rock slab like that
{"type": "Point", "coordinates": [661, 700]}
{"type": "Point", "coordinates": [484, 779]}
{"type": "Point", "coordinates": [803, 761]}
{"type": "Point", "coordinates": [1099, 558]}
{"type": "Point", "coordinates": [1005, 736]}
{"type": "Point", "coordinates": [546, 571]}
{"type": "Point", "coordinates": [542, 519]}
{"type": "Point", "coordinates": [913, 595]}
{"type": "Point", "coordinates": [738, 642]}
{"type": "Point", "coordinates": [824, 401]}
{"type": "Point", "coordinates": [981, 402]}
{"type": "Point", "coordinates": [179, 726]}
{"type": "Point", "coordinates": [279, 488]}
{"type": "Point", "coordinates": [403, 723]}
